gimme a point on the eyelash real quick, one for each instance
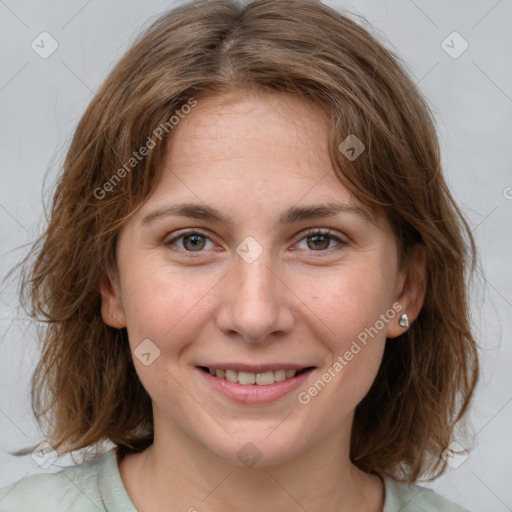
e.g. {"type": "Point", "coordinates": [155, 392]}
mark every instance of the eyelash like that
{"type": "Point", "coordinates": [310, 232]}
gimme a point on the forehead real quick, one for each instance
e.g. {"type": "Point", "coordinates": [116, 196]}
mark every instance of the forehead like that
{"type": "Point", "coordinates": [245, 144]}
{"type": "Point", "coordinates": [238, 127]}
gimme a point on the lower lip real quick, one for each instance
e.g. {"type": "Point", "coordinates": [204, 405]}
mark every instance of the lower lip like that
{"type": "Point", "coordinates": [253, 393]}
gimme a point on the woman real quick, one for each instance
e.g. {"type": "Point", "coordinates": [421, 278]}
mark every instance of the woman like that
{"type": "Point", "coordinates": [254, 277]}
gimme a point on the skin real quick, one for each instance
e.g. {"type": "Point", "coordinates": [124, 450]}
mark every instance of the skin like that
{"type": "Point", "coordinates": [252, 156]}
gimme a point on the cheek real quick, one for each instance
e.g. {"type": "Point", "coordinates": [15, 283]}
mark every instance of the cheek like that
{"type": "Point", "coordinates": [355, 344]}
{"type": "Point", "coordinates": [169, 308]}
{"type": "Point", "coordinates": [346, 302]}
{"type": "Point", "coordinates": [165, 305]}
{"type": "Point", "coordinates": [350, 315]}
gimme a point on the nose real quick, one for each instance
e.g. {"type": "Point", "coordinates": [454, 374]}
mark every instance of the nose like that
{"type": "Point", "coordinates": [256, 302]}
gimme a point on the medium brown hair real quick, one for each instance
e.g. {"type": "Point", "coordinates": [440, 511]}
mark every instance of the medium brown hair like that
{"type": "Point", "coordinates": [85, 385]}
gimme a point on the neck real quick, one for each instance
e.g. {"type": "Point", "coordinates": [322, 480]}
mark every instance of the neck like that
{"type": "Point", "coordinates": [176, 473]}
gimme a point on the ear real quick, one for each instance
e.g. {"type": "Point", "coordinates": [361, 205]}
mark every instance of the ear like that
{"type": "Point", "coordinates": [112, 310]}
{"type": "Point", "coordinates": [410, 289]}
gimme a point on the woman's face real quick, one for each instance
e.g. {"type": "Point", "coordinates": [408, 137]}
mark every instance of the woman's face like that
{"type": "Point", "coordinates": [254, 293]}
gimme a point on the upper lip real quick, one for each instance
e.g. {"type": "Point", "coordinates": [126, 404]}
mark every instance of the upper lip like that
{"type": "Point", "coordinates": [255, 368]}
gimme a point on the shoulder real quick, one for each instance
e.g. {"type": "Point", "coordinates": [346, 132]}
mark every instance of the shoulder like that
{"type": "Point", "coordinates": [76, 488]}
{"type": "Point", "coordinates": [414, 498]}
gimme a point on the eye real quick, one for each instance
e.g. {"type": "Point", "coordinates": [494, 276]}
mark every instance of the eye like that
{"type": "Point", "coordinates": [194, 241]}
{"type": "Point", "coordinates": [318, 240]}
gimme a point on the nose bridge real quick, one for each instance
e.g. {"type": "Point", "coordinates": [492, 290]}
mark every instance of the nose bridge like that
{"type": "Point", "coordinates": [254, 278]}
{"type": "Point", "coordinates": [254, 303]}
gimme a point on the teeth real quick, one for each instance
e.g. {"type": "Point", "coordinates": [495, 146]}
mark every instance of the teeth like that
{"type": "Point", "coordinates": [279, 375]}
{"type": "Point", "coordinates": [265, 378]}
{"type": "Point", "coordinates": [246, 378]}
{"type": "Point", "coordinates": [232, 375]}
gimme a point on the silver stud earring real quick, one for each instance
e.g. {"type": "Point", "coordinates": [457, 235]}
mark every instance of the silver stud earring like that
{"type": "Point", "coordinates": [404, 320]}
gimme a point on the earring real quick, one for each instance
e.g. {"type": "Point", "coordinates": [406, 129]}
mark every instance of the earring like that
{"type": "Point", "coordinates": [404, 320]}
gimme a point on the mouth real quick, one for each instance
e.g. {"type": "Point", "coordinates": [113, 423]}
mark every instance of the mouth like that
{"type": "Point", "coordinates": [249, 384]}
{"type": "Point", "coordinates": [247, 378]}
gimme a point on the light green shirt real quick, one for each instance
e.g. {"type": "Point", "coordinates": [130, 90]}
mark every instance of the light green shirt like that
{"type": "Point", "coordinates": [96, 486]}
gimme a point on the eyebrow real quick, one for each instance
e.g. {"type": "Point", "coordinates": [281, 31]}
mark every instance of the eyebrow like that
{"type": "Point", "coordinates": [292, 215]}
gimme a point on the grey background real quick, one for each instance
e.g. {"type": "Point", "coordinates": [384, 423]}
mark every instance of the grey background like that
{"type": "Point", "coordinates": [41, 101]}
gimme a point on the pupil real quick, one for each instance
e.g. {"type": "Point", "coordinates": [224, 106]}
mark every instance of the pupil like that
{"type": "Point", "coordinates": [318, 239]}
{"type": "Point", "coordinates": [195, 241]}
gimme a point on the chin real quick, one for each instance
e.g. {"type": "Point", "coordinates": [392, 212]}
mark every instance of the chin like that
{"type": "Point", "coordinates": [258, 446]}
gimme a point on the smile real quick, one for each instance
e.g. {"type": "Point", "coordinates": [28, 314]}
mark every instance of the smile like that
{"type": "Point", "coordinates": [259, 379]}
{"type": "Point", "coordinates": [254, 387]}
